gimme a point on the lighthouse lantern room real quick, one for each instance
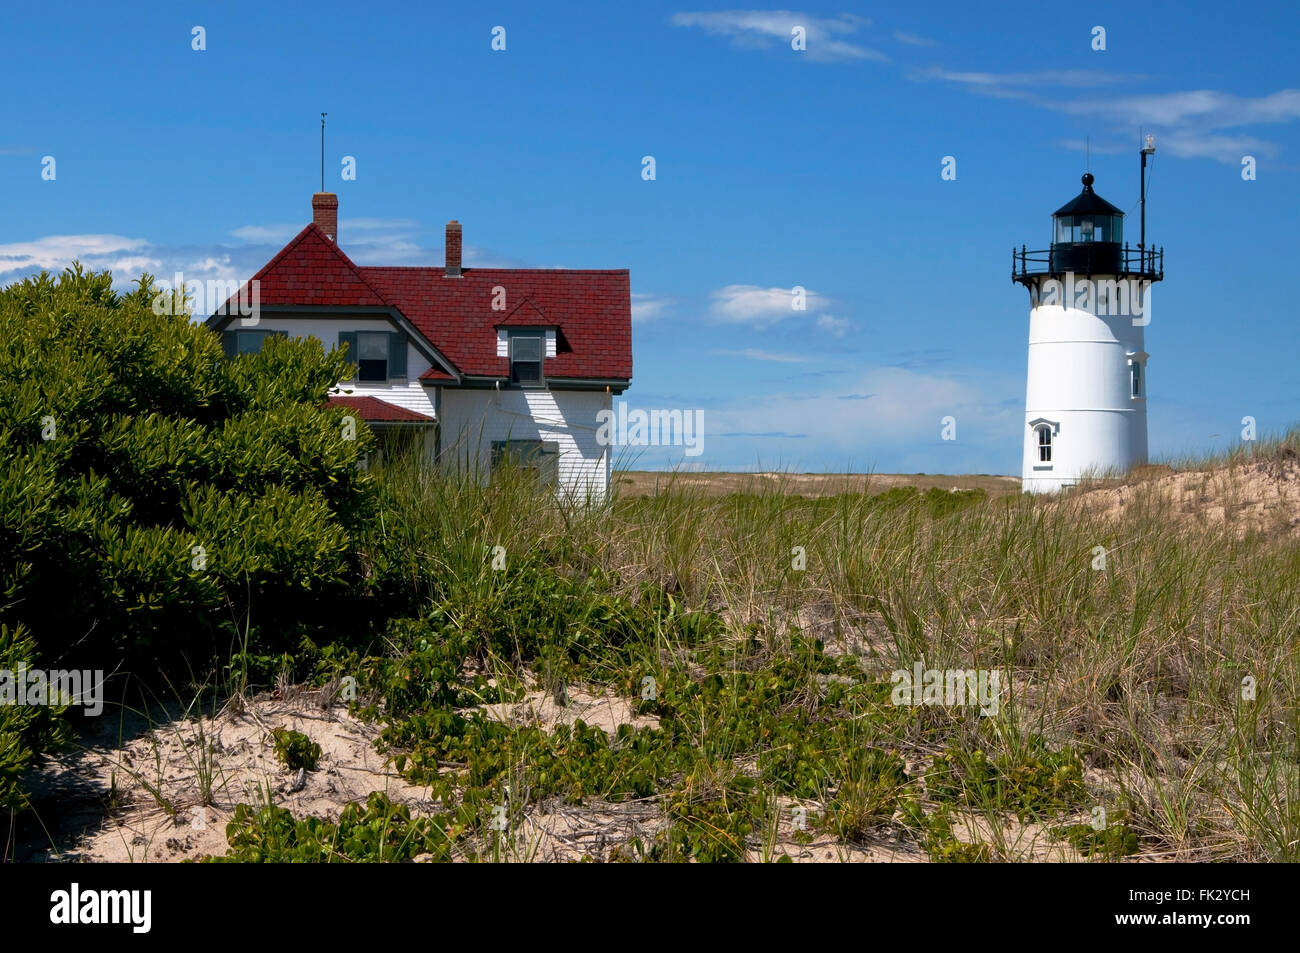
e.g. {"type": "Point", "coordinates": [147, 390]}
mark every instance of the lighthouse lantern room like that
{"type": "Point", "coordinates": [1090, 303]}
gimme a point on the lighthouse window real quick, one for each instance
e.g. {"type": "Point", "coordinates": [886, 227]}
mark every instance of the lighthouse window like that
{"type": "Point", "coordinates": [1089, 228]}
{"type": "Point", "coordinates": [1044, 444]}
{"type": "Point", "coordinates": [1135, 370]}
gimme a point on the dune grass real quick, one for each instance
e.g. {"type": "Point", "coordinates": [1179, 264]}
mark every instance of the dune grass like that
{"type": "Point", "coordinates": [1148, 663]}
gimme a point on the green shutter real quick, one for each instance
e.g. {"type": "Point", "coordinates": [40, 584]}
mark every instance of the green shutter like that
{"type": "Point", "coordinates": [348, 339]}
{"type": "Point", "coordinates": [396, 354]}
{"type": "Point", "coordinates": [229, 344]}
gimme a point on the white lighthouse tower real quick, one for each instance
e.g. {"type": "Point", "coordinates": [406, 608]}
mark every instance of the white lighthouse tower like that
{"type": "Point", "coordinates": [1090, 303]}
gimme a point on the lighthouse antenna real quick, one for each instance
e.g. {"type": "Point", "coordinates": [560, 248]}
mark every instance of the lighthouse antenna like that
{"type": "Point", "coordinates": [322, 151]}
{"type": "Point", "coordinates": [1148, 149]}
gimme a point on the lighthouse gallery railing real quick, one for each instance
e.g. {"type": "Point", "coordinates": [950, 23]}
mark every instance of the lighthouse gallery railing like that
{"type": "Point", "coordinates": [1089, 258]}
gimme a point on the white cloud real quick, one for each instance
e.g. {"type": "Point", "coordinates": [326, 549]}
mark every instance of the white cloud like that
{"type": "Point", "coordinates": [881, 416]}
{"type": "Point", "coordinates": [56, 252]}
{"type": "Point", "coordinates": [912, 39]}
{"type": "Point", "coordinates": [367, 241]}
{"type": "Point", "coordinates": [1186, 123]}
{"type": "Point", "coordinates": [275, 234]}
{"type": "Point", "coordinates": [1206, 108]}
{"type": "Point", "coordinates": [756, 354]}
{"type": "Point", "coordinates": [764, 29]}
{"type": "Point", "coordinates": [646, 307]}
{"type": "Point", "coordinates": [1037, 78]}
{"type": "Point", "coordinates": [833, 325]}
{"type": "Point", "coordinates": [750, 304]}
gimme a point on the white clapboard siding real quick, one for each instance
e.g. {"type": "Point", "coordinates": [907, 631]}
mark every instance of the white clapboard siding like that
{"type": "Point", "coordinates": [472, 419]}
{"type": "Point", "coordinates": [412, 395]}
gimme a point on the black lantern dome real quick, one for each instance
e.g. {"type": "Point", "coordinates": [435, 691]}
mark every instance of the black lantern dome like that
{"type": "Point", "coordinates": [1087, 234]}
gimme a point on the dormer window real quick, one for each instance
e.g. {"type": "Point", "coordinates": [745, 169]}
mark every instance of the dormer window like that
{"type": "Point", "coordinates": [526, 359]}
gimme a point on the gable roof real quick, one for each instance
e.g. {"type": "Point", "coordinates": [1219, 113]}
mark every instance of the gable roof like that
{"type": "Point", "coordinates": [591, 309]}
{"type": "Point", "coordinates": [526, 314]}
{"type": "Point", "coordinates": [312, 270]}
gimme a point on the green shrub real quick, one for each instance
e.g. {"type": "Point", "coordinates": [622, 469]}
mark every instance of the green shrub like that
{"type": "Point", "coordinates": [25, 730]}
{"type": "Point", "coordinates": [158, 496]}
{"type": "Point", "coordinates": [295, 750]}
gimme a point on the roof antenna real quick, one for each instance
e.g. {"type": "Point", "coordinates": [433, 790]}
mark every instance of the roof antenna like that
{"type": "Point", "coordinates": [1087, 151]}
{"type": "Point", "coordinates": [322, 151]}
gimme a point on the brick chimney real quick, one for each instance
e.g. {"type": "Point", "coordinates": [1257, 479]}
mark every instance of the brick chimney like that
{"type": "Point", "coordinates": [453, 250]}
{"type": "Point", "coordinates": [325, 213]}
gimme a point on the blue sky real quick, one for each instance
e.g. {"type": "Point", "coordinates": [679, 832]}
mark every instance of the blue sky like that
{"type": "Point", "coordinates": [774, 168]}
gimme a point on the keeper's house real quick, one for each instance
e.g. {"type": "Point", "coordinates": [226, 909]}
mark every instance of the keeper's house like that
{"type": "Point", "coordinates": [477, 365]}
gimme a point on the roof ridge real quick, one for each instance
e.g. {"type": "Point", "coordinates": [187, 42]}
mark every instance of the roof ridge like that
{"type": "Point", "coordinates": [356, 269]}
{"type": "Point", "coordinates": [293, 243]}
{"type": "Point", "coordinates": [566, 271]}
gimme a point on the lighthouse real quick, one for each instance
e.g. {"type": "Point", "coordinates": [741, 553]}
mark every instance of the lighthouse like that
{"type": "Point", "coordinates": [1089, 307]}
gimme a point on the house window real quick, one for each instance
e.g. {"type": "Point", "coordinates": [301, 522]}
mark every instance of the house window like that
{"type": "Point", "coordinates": [526, 360]}
{"type": "Point", "coordinates": [1135, 378]}
{"type": "Point", "coordinates": [234, 343]}
{"type": "Point", "coordinates": [537, 457]}
{"type": "Point", "coordinates": [372, 356]}
{"type": "Point", "coordinates": [1044, 444]}
{"type": "Point", "coordinates": [379, 356]}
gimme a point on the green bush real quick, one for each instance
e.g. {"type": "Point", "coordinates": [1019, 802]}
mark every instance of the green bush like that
{"type": "Point", "coordinates": [25, 730]}
{"type": "Point", "coordinates": [158, 496]}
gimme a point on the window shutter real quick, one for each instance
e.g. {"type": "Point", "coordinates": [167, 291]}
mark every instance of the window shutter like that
{"type": "Point", "coordinates": [396, 354]}
{"type": "Point", "coordinates": [229, 344]}
{"type": "Point", "coordinates": [349, 339]}
{"type": "Point", "coordinates": [549, 464]}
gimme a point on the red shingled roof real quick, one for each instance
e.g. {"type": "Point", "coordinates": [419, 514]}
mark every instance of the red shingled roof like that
{"type": "Point", "coordinates": [591, 309]}
{"type": "Point", "coordinates": [311, 270]}
{"type": "Point", "coordinates": [379, 411]}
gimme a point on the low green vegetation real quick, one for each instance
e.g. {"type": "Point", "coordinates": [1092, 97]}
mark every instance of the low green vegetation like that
{"type": "Point", "coordinates": [377, 831]}
{"type": "Point", "coordinates": [295, 750]}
